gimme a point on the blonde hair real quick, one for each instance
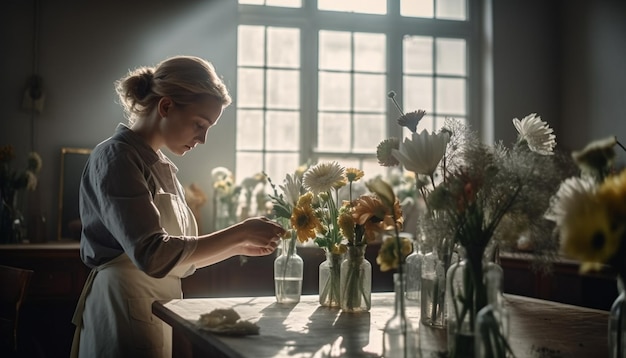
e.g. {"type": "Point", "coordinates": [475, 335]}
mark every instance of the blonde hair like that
{"type": "Point", "coordinates": [184, 79]}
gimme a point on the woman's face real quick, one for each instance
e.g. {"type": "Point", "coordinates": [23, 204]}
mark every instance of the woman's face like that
{"type": "Point", "coordinates": [185, 126]}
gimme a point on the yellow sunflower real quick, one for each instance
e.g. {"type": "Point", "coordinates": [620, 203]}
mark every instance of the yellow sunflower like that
{"type": "Point", "coordinates": [304, 221]}
{"type": "Point", "coordinates": [354, 174]}
{"type": "Point", "coordinates": [593, 222]}
{"type": "Point", "coordinates": [387, 257]}
{"type": "Point", "coordinates": [346, 225]}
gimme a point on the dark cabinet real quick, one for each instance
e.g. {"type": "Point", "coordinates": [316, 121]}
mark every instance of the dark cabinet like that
{"type": "Point", "coordinates": [562, 283]}
{"type": "Point", "coordinates": [45, 321]}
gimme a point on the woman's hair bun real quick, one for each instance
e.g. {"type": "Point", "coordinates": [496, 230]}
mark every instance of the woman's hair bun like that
{"type": "Point", "coordinates": [144, 83]}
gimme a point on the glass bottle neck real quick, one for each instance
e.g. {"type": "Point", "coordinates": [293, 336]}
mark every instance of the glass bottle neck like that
{"type": "Point", "coordinates": [399, 288]}
{"type": "Point", "coordinates": [493, 279]}
{"type": "Point", "coordinates": [288, 247]}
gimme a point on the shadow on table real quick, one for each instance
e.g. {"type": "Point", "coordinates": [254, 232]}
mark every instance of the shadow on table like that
{"type": "Point", "coordinates": [326, 332]}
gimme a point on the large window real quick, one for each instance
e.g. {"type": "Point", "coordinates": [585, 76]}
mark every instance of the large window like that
{"type": "Point", "coordinates": [313, 77]}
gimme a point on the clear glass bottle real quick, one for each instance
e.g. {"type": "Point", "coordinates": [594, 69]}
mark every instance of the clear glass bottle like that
{"type": "Point", "coordinates": [492, 321]}
{"type": "Point", "coordinates": [330, 280]}
{"type": "Point", "coordinates": [459, 309]}
{"type": "Point", "coordinates": [288, 270]}
{"type": "Point", "coordinates": [400, 338]}
{"type": "Point", "coordinates": [617, 324]}
{"type": "Point", "coordinates": [413, 264]}
{"type": "Point", "coordinates": [356, 281]}
{"type": "Point", "coordinates": [433, 289]}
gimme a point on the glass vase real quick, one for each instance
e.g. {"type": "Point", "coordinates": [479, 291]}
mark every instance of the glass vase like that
{"type": "Point", "coordinates": [400, 338]}
{"type": "Point", "coordinates": [356, 281]}
{"type": "Point", "coordinates": [460, 333]}
{"type": "Point", "coordinates": [413, 264]}
{"type": "Point", "coordinates": [617, 324]}
{"type": "Point", "coordinates": [466, 295]}
{"type": "Point", "coordinates": [330, 280]}
{"type": "Point", "coordinates": [12, 223]}
{"type": "Point", "coordinates": [433, 290]}
{"type": "Point", "coordinates": [288, 270]}
{"type": "Point", "coordinates": [491, 331]}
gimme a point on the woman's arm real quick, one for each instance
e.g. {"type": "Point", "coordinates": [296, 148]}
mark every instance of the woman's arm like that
{"type": "Point", "coordinates": [257, 236]}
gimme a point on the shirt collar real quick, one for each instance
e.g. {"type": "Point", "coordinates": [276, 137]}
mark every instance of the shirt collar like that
{"type": "Point", "coordinates": [148, 155]}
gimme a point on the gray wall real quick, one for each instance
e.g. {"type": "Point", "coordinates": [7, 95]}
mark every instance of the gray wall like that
{"type": "Point", "coordinates": [85, 47]}
{"type": "Point", "coordinates": [561, 59]}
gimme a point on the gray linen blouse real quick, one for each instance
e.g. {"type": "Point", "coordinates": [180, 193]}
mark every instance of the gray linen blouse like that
{"type": "Point", "coordinates": [116, 199]}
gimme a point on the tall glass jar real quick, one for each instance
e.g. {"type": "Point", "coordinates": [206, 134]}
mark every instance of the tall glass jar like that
{"type": "Point", "coordinates": [460, 339]}
{"type": "Point", "coordinates": [400, 338]}
{"type": "Point", "coordinates": [466, 294]}
{"type": "Point", "coordinates": [491, 331]}
{"type": "Point", "coordinates": [356, 281]}
{"type": "Point", "coordinates": [413, 264]}
{"type": "Point", "coordinates": [617, 324]}
{"type": "Point", "coordinates": [330, 280]}
{"type": "Point", "coordinates": [433, 289]}
{"type": "Point", "coordinates": [288, 270]}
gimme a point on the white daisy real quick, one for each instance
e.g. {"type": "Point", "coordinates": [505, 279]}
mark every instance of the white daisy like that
{"type": "Point", "coordinates": [537, 134]}
{"type": "Point", "coordinates": [291, 189]}
{"type": "Point", "coordinates": [220, 173]}
{"type": "Point", "coordinates": [575, 197]}
{"type": "Point", "coordinates": [322, 177]}
{"type": "Point", "coordinates": [422, 152]}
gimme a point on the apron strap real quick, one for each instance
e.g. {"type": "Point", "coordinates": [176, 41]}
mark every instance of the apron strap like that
{"type": "Point", "coordinates": [77, 318]}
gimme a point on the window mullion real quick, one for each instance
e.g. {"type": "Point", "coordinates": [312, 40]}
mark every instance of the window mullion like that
{"type": "Point", "coordinates": [308, 87]}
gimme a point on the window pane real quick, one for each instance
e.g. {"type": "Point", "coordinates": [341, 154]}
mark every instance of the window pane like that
{"type": "Point", "coordinates": [250, 45]}
{"type": "Point", "coordinates": [451, 57]}
{"type": "Point", "coordinates": [451, 96]}
{"type": "Point", "coordinates": [371, 168]}
{"type": "Point", "coordinates": [248, 164]}
{"type": "Point", "coordinates": [417, 8]}
{"type": "Point", "coordinates": [369, 52]}
{"type": "Point", "coordinates": [283, 47]}
{"type": "Point", "coordinates": [334, 91]}
{"type": "Point", "coordinates": [249, 130]}
{"type": "Point", "coordinates": [333, 132]}
{"type": "Point", "coordinates": [360, 6]}
{"type": "Point", "coordinates": [249, 88]}
{"type": "Point", "coordinates": [285, 3]}
{"type": "Point", "coordinates": [282, 3]}
{"type": "Point", "coordinates": [417, 55]}
{"type": "Point", "coordinates": [418, 94]}
{"type": "Point", "coordinates": [277, 165]}
{"type": "Point", "coordinates": [283, 89]}
{"type": "Point", "coordinates": [334, 50]}
{"type": "Point", "coordinates": [451, 9]}
{"type": "Point", "coordinates": [370, 130]}
{"type": "Point", "coordinates": [283, 131]}
{"type": "Point", "coordinates": [369, 93]}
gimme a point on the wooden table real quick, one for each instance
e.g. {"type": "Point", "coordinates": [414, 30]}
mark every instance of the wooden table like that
{"type": "Point", "coordinates": [539, 329]}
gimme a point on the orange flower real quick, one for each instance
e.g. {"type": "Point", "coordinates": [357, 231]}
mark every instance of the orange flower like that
{"type": "Point", "coordinates": [370, 212]}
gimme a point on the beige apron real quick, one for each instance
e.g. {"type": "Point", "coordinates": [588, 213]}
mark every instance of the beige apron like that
{"type": "Point", "coordinates": [113, 316]}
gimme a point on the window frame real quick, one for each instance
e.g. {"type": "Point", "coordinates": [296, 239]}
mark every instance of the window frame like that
{"type": "Point", "coordinates": [310, 21]}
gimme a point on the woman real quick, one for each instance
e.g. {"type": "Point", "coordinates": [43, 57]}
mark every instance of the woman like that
{"type": "Point", "coordinates": [139, 236]}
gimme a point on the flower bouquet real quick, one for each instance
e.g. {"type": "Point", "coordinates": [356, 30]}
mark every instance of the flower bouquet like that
{"type": "Point", "coordinates": [477, 197]}
{"type": "Point", "coordinates": [361, 221]}
{"type": "Point", "coordinates": [11, 182]}
{"type": "Point", "coordinates": [590, 213]}
{"type": "Point", "coordinates": [490, 197]}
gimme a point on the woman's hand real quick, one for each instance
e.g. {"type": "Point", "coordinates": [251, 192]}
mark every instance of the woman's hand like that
{"type": "Point", "coordinates": [260, 236]}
